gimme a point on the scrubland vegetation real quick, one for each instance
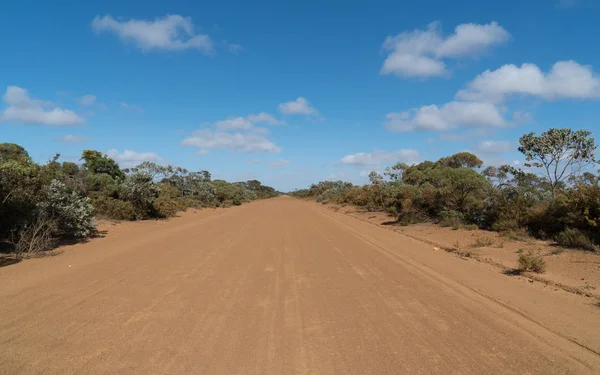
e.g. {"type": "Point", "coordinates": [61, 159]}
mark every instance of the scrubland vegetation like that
{"type": "Point", "coordinates": [556, 195]}
{"type": "Point", "coordinates": [43, 204]}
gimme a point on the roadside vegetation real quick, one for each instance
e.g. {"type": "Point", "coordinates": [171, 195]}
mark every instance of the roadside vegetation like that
{"type": "Point", "coordinates": [41, 205]}
{"type": "Point", "coordinates": [556, 196]}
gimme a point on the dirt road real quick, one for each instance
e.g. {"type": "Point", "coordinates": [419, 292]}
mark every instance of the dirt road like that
{"type": "Point", "coordinates": [282, 287]}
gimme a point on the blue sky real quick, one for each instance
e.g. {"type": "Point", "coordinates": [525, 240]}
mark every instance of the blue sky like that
{"type": "Point", "coordinates": [295, 92]}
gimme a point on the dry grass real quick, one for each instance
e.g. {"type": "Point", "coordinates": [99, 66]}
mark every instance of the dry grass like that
{"type": "Point", "coordinates": [529, 262]}
{"type": "Point", "coordinates": [482, 242]}
{"type": "Point", "coordinates": [520, 234]}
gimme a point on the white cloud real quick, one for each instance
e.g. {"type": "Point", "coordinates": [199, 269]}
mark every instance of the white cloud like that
{"type": "Point", "coordinates": [87, 100]}
{"type": "Point", "coordinates": [23, 109]}
{"type": "Point", "coordinates": [236, 49]}
{"type": "Point", "coordinates": [299, 106]}
{"type": "Point", "coordinates": [494, 147]}
{"type": "Point", "coordinates": [133, 107]}
{"type": "Point", "coordinates": [239, 142]}
{"type": "Point", "coordinates": [129, 159]}
{"type": "Point", "coordinates": [202, 152]}
{"type": "Point", "coordinates": [566, 80]}
{"type": "Point", "coordinates": [278, 163]}
{"type": "Point", "coordinates": [254, 161]}
{"type": "Point", "coordinates": [237, 123]}
{"type": "Point", "coordinates": [263, 131]}
{"type": "Point", "coordinates": [169, 33]}
{"type": "Point", "coordinates": [264, 117]}
{"type": "Point", "coordinates": [377, 157]}
{"type": "Point", "coordinates": [449, 116]}
{"type": "Point", "coordinates": [421, 53]}
{"type": "Point", "coordinates": [71, 138]}
{"type": "Point", "coordinates": [241, 123]}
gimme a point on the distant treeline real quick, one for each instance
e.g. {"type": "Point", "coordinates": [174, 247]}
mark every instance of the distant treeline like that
{"type": "Point", "coordinates": [41, 204]}
{"type": "Point", "coordinates": [556, 197]}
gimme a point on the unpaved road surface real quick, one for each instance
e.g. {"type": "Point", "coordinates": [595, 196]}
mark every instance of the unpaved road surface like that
{"type": "Point", "coordinates": [282, 287]}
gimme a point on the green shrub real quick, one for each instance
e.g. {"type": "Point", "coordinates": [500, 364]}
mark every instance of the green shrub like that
{"type": "Point", "coordinates": [530, 262]}
{"type": "Point", "coordinates": [165, 206]}
{"type": "Point", "coordinates": [505, 225]}
{"type": "Point", "coordinates": [452, 219]}
{"type": "Point", "coordinates": [519, 234]}
{"type": "Point", "coordinates": [114, 208]}
{"type": "Point", "coordinates": [470, 227]}
{"type": "Point", "coordinates": [71, 215]}
{"type": "Point", "coordinates": [575, 238]}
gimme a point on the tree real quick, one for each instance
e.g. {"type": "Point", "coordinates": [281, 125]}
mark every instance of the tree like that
{"type": "Point", "coordinates": [14, 152]}
{"type": "Point", "coordinates": [96, 162]}
{"type": "Point", "coordinates": [561, 153]}
{"type": "Point", "coordinates": [377, 181]}
{"type": "Point", "coordinates": [461, 160]}
{"type": "Point", "coordinates": [396, 171]}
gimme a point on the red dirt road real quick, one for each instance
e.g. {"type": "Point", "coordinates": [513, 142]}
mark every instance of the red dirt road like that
{"type": "Point", "coordinates": [282, 286]}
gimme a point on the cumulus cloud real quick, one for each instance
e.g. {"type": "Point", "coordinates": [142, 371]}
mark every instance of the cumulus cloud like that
{"type": "Point", "coordinates": [87, 100]}
{"type": "Point", "coordinates": [494, 147]}
{"type": "Point", "coordinates": [446, 117]}
{"type": "Point", "coordinates": [299, 106]}
{"type": "Point", "coordinates": [278, 163]}
{"type": "Point", "coordinates": [169, 33]}
{"type": "Point", "coordinates": [71, 139]}
{"type": "Point", "coordinates": [129, 159]}
{"type": "Point", "coordinates": [237, 123]}
{"type": "Point", "coordinates": [377, 157]}
{"type": "Point", "coordinates": [421, 53]}
{"type": "Point", "coordinates": [132, 107]}
{"type": "Point", "coordinates": [23, 109]}
{"type": "Point", "coordinates": [566, 80]}
{"type": "Point", "coordinates": [264, 117]}
{"type": "Point", "coordinates": [239, 142]}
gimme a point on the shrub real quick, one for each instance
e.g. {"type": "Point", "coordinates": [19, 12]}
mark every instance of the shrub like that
{"type": "Point", "coordinates": [575, 238]}
{"type": "Point", "coordinates": [519, 234]}
{"type": "Point", "coordinates": [140, 190]}
{"type": "Point", "coordinates": [114, 208]}
{"type": "Point", "coordinates": [35, 238]}
{"type": "Point", "coordinates": [167, 204]}
{"type": "Point", "coordinates": [483, 242]}
{"type": "Point", "coordinates": [530, 262]}
{"type": "Point", "coordinates": [505, 225]}
{"type": "Point", "coordinates": [471, 227]}
{"type": "Point", "coordinates": [452, 219]}
{"type": "Point", "coordinates": [71, 215]}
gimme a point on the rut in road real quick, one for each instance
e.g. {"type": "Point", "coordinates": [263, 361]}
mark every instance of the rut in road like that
{"type": "Point", "coordinates": [281, 286]}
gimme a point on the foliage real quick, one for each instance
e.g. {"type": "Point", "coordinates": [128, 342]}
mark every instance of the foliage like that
{"type": "Point", "coordinates": [40, 204]}
{"type": "Point", "coordinates": [561, 153]}
{"type": "Point", "coordinates": [575, 238]}
{"type": "Point", "coordinates": [556, 194]}
{"type": "Point", "coordinates": [70, 214]}
{"type": "Point", "coordinates": [528, 262]}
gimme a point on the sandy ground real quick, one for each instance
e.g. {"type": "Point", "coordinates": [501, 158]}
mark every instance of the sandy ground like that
{"type": "Point", "coordinates": [574, 270]}
{"type": "Point", "coordinates": [283, 286]}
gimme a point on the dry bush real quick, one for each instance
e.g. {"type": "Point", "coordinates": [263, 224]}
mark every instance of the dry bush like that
{"type": "Point", "coordinates": [530, 262]}
{"type": "Point", "coordinates": [519, 234]}
{"type": "Point", "coordinates": [483, 242]}
{"type": "Point", "coordinates": [576, 239]}
{"type": "Point", "coordinates": [35, 238]}
{"type": "Point", "coordinates": [451, 221]}
{"type": "Point", "coordinates": [470, 227]}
